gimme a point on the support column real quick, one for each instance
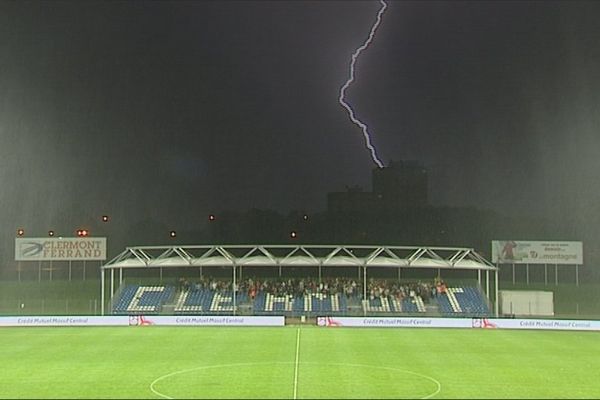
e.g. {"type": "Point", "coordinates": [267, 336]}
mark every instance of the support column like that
{"type": "Point", "coordinates": [112, 286]}
{"type": "Point", "coordinates": [556, 274]}
{"type": "Point", "coordinates": [527, 272]}
{"type": "Point", "coordinates": [101, 290]}
{"type": "Point", "coordinates": [576, 274]}
{"type": "Point", "coordinates": [546, 274]}
{"type": "Point", "coordinates": [233, 290]}
{"type": "Point", "coordinates": [120, 277]}
{"type": "Point", "coordinates": [496, 299]}
{"type": "Point", "coordinates": [365, 282]}
{"type": "Point", "coordinates": [487, 283]}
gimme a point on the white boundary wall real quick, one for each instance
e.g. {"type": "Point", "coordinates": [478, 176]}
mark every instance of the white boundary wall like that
{"type": "Point", "coordinates": [366, 322]}
{"type": "Point", "coordinates": [527, 303]}
{"type": "Point", "coordinates": [389, 322]}
{"type": "Point", "coordinates": [139, 320]}
{"type": "Point", "coordinates": [65, 321]}
{"type": "Point", "coordinates": [217, 320]}
{"type": "Point", "coordinates": [547, 324]}
{"type": "Point", "coordinates": [486, 323]}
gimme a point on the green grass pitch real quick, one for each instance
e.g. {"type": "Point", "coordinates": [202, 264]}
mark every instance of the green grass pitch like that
{"type": "Point", "coordinates": [296, 362]}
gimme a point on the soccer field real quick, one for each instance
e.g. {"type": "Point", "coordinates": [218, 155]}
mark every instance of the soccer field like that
{"type": "Point", "coordinates": [297, 362]}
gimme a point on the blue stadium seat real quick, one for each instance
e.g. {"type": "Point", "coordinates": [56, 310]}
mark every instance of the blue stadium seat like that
{"type": "Point", "coordinates": [309, 304]}
{"type": "Point", "coordinates": [409, 306]}
{"type": "Point", "coordinates": [136, 299]}
{"type": "Point", "coordinates": [206, 301]}
{"type": "Point", "coordinates": [393, 305]}
{"type": "Point", "coordinates": [463, 301]}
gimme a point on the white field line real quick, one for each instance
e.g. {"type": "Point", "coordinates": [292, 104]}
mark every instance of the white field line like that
{"type": "Point", "coordinates": [296, 364]}
{"type": "Point", "coordinates": [308, 363]}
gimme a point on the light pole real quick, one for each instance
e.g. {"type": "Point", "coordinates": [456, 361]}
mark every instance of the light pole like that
{"type": "Point", "coordinates": [51, 234]}
{"type": "Point", "coordinates": [82, 232]}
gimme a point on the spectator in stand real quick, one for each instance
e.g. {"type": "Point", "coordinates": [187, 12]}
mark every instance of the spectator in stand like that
{"type": "Point", "coordinates": [376, 288]}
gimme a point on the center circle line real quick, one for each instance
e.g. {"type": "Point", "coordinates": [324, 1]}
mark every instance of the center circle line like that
{"type": "Point", "coordinates": [214, 366]}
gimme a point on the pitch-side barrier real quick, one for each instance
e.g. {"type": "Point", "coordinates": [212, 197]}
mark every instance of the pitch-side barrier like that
{"type": "Point", "coordinates": [364, 322]}
{"type": "Point", "coordinates": [486, 323]}
{"type": "Point", "coordinates": [140, 320]}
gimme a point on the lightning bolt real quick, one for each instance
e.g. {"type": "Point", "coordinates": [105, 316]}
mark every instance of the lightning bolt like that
{"type": "Point", "coordinates": [362, 125]}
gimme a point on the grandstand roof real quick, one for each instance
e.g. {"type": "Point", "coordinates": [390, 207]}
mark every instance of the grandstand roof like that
{"type": "Point", "coordinates": [299, 256]}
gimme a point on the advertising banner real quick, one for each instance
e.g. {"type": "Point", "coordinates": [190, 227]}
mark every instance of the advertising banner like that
{"type": "Point", "coordinates": [390, 322]}
{"type": "Point", "coordinates": [536, 252]}
{"type": "Point", "coordinates": [366, 322]}
{"type": "Point", "coordinates": [141, 320]}
{"type": "Point", "coordinates": [483, 323]}
{"type": "Point", "coordinates": [205, 320]}
{"type": "Point", "coordinates": [546, 324]}
{"type": "Point", "coordinates": [65, 321]}
{"type": "Point", "coordinates": [60, 249]}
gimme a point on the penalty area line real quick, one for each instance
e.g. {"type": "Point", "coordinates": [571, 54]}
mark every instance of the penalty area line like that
{"type": "Point", "coordinates": [296, 364]}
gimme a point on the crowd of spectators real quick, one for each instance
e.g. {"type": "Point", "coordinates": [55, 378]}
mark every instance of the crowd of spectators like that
{"type": "Point", "coordinates": [425, 290]}
{"type": "Point", "coordinates": [276, 286]}
{"type": "Point", "coordinates": [298, 287]}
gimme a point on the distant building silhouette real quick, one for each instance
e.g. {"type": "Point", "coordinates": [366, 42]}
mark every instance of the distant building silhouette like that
{"type": "Point", "coordinates": [353, 200]}
{"type": "Point", "coordinates": [400, 185]}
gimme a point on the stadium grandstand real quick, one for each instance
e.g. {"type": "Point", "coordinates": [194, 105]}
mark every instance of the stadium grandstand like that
{"type": "Point", "coordinates": [292, 297]}
{"type": "Point", "coordinates": [289, 280]}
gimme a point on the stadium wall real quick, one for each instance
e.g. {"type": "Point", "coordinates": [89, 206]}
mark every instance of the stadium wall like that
{"type": "Point", "coordinates": [364, 322]}
{"type": "Point", "coordinates": [477, 323]}
{"type": "Point", "coordinates": [140, 320]}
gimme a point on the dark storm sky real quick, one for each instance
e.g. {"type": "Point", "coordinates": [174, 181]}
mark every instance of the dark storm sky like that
{"type": "Point", "coordinates": [172, 110]}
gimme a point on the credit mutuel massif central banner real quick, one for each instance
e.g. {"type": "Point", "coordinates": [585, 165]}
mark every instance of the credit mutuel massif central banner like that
{"type": "Point", "coordinates": [536, 252]}
{"type": "Point", "coordinates": [60, 249]}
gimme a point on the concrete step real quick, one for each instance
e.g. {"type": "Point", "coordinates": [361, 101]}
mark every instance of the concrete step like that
{"type": "Point", "coordinates": [432, 309]}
